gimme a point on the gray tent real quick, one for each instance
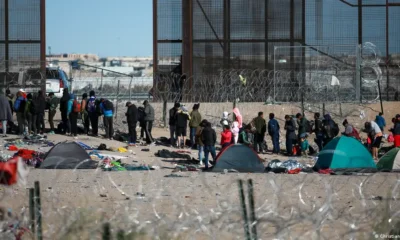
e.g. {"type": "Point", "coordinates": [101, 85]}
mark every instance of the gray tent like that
{"type": "Point", "coordinates": [239, 157]}
{"type": "Point", "coordinates": [68, 155]}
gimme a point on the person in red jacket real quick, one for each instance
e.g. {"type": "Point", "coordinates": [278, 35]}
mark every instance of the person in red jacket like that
{"type": "Point", "coordinates": [226, 136]}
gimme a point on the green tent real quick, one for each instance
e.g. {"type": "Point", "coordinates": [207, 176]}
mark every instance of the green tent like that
{"type": "Point", "coordinates": [390, 161]}
{"type": "Point", "coordinates": [345, 153]}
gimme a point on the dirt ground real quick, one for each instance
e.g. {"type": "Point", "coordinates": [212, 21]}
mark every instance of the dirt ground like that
{"type": "Point", "coordinates": [202, 205]}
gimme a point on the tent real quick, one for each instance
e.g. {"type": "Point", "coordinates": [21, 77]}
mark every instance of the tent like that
{"type": "Point", "coordinates": [345, 153]}
{"type": "Point", "coordinates": [238, 157]}
{"type": "Point", "coordinates": [68, 155]}
{"type": "Point", "coordinates": [390, 161]}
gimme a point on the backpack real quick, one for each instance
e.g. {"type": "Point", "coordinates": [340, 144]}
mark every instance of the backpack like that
{"type": "Point", "coordinates": [108, 105]}
{"type": "Point", "coordinates": [76, 107]}
{"type": "Point", "coordinates": [91, 105]}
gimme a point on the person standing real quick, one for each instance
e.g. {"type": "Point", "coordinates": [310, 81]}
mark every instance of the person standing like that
{"type": "Point", "coordinates": [142, 123]}
{"type": "Point", "coordinates": [200, 144]}
{"type": "Point", "coordinates": [93, 113]}
{"type": "Point", "coordinates": [318, 130]}
{"type": "Point", "coordinates": [273, 131]}
{"type": "Point", "coordinates": [5, 113]}
{"type": "Point", "coordinates": [40, 106]}
{"type": "Point", "coordinates": [10, 98]}
{"type": "Point", "coordinates": [30, 114]}
{"type": "Point", "coordinates": [375, 133]}
{"type": "Point", "coordinates": [53, 104]}
{"type": "Point", "coordinates": [261, 128]}
{"type": "Point", "coordinates": [64, 111]}
{"type": "Point", "coordinates": [195, 120]}
{"type": "Point", "coordinates": [73, 111]}
{"type": "Point", "coordinates": [328, 129]}
{"type": "Point", "coordinates": [302, 123]}
{"type": "Point", "coordinates": [380, 120]}
{"type": "Point", "coordinates": [148, 119]}
{"type": "Point", "coordinates": [172, 123]}
{"type": "Point", "coordinates": [238, 117]}
{"type": "Point", "coordinates": [209, 138]}
{"type": "Point", "coordinates": [290, 127]}
{"type": "Point", "coordinates": [84, 113]}
{"type": "Point", "coordinates": [131, 119]}
{"type": "Point", "coordinates": [19, 107]}
{"type": "Point", "coordinates": [182, 118]}
{"type": "Point", "coordinates": [107, 110]}
{"type": "Point", "coordinates": [226, 137]}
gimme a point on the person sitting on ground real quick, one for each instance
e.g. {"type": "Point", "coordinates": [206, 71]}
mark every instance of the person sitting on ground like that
{"type": "Point", "coordinates": [350, 131]}
{"type": "Point", "coordinates": [200, 144]}
{"type": "Point", "coordinates": [246, 137]}
{"type": "Point", "coordinates": [209, 138]}
{"type": "Point", "coordinates": [375, 134]}
{"type": "Point", "coordinates": [380, 120]}
{"type": "Point", "coordinates": [304, 145]}
{"type": "Point", "coordinates": [182, 119]}
{"type": "Point", "coordinates": [226, 137]}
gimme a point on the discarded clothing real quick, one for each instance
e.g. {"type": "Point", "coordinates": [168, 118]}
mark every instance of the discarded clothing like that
{"type": "Point", "coordinates": [168, 154]}
{"type": "Point", "coordinates": [186, 168]}
{"type": "Point", "coordinates": [102, 147]}
{"type": "Point", "coordinates": [294, 171]}
{"type": "Point", "coordinates": [122, 150]}
{"type": "Point", "coordinates": [84, 146]}
{"type": "Point", "coordinates": [12, 148]}
{"type": "Point", "coordinates": [94, 155]}
{"type": "Point", "coordinates": [175, 176]}
{"type": "Point", "coordinates": [326, 171]}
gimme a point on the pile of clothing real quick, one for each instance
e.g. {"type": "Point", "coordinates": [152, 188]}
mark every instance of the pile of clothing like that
{"type": "Point", "coordinates": [30, 157]}
{"type": "Point", "coordinates": [187, 168]}
{"type": "Point", "coordinates": [111, 165]}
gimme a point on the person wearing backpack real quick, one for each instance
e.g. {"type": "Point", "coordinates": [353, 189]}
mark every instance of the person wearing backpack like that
{"type": "Point", "coordinates": [85, 115]}
{"type": "Point", "coordinates": [273, 131]}
{"type": "Point", "coordinates": [40, 107]}
{"type": "Point", "coordinates": [93, 114]}
{"type": "Point", "coordinates": [149, 119]}
{"type": "Point", "coordinates": [107, 110]}
{"type": "Point", "coordinates": [74, 107]}
{"type": "Point", "coordinates": [318, 130]}
{"type": "Point", "coordinates": [30, 114]}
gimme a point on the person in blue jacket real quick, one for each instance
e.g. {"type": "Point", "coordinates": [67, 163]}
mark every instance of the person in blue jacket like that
{"type": "Point", "coordinates": [380, 120]}
{"type": "Point", "coordinates": [73, 110]}
{"type": "Point", "coordinates": [273, 131]}
{"type": "Point", "coordinates": [19, 108]}
{"type": "Point", "coordinates": [107, 110]}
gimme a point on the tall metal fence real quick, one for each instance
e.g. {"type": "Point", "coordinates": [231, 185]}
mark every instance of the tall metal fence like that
{"type": "Point", "coordinates": [213, 44]}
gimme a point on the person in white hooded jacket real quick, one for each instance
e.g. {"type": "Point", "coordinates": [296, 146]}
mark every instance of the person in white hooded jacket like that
{"type": "Point", "coordinates": [225, 121]}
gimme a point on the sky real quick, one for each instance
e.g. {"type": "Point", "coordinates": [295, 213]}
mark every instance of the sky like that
{"type": "Point", "coordinates": [103, 27]}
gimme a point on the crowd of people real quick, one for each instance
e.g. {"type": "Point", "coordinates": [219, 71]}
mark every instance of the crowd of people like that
{"type": "Point", "coordinates": [30, 109]}
{"type": "Point", "coordinates": [30, 114]}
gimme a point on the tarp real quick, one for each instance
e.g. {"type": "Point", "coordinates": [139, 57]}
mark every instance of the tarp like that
{"type": "Point", "coordinates": [68, 155]}
{"type": "Point", "coordinates": [390, 161]}
{"type": "Point", "coordinates": [345, 153]}
{"type": "Point", "coordinates": [240, 158]}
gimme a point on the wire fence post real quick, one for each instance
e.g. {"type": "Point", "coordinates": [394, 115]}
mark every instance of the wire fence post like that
{"type": "Point", "coordinates": [244, 210]}
{"type": "Point", "coordinates": [38, 212]}
{"type": "Point", "coordinates": [253, 220]}
{"type": "Point", "coordinates": [116, 105]}
{"type": "Point", "coordinates": [106, 231]}
{"type": "Point", "coordinates": [130, 89]}
{"type": "Point", "coordinates": [32, 209]}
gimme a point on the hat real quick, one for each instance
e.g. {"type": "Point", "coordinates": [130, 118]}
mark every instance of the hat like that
{"type": "Point", "coordinates": [127, 104]}
{"type": "Point", "coordinates": [21, 90]}
{"type": "Point", "coordinates": [225, 123]}
{"type": "Point", "coordinates": [184, 108]}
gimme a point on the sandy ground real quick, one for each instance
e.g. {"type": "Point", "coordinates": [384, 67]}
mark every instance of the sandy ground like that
{"type": "Point", "coordinates": [201, 205]}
